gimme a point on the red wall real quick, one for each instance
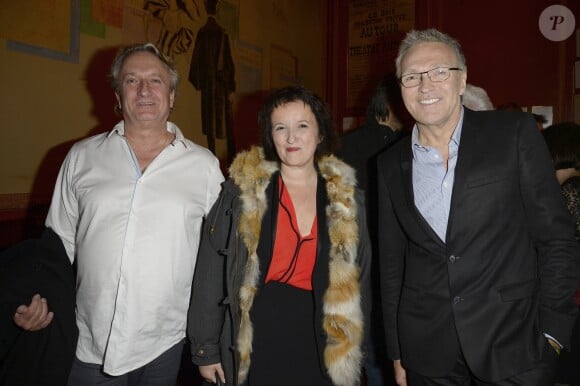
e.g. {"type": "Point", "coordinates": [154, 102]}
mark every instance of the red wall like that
{"type": "Point", "coordinates": [506, 53]}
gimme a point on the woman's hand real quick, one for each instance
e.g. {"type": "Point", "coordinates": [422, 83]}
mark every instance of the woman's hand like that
{"type": "Point", "coordinates": [209, 372]}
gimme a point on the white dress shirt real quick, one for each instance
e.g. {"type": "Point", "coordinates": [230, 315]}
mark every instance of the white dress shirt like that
{"type": "Point", "coordinates": [433, 179]}
{"type": "Point", "coordinates": [135, 237]}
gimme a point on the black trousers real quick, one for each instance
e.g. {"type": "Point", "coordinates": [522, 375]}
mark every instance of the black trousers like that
{"type": "Point", "coordinates": [541, 375]}
{"type": "Point", "coordinates": [162, 371]}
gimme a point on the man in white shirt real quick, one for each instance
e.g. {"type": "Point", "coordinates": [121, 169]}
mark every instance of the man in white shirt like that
{"type": "Point", "coordinates": [128, 205]}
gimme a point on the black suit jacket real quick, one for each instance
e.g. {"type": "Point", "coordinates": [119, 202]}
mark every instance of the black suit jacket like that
{"type": "Point", "coordinates": [41, 357]}
{"type": "Point", "coordinates": [508, 269]}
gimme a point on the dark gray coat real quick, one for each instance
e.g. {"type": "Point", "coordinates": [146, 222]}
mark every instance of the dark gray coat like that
{"type": "Point", "coordinates": [215, 316]}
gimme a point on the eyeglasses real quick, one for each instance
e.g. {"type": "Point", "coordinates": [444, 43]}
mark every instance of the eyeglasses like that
{"type": "Point", "coordinates": [438, 74]}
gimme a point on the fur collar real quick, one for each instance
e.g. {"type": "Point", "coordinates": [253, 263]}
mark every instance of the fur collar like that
{"type": "Point", "coordinates": [343, 318]}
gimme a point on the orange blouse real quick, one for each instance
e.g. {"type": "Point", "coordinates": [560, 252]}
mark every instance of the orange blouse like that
{"type": "Point", "coordinates": [294, 255]}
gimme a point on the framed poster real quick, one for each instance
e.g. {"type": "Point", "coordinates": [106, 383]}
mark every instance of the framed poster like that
{"type": "Point", "coordinates": [375, 30]}
{"type": "Point", "coordinates": [283, 67]}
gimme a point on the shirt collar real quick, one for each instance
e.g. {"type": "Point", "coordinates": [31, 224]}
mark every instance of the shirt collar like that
{"type": "Point", "coordinates": [455, 137]}
{"type": "Point", "coordinates": [171, 127]}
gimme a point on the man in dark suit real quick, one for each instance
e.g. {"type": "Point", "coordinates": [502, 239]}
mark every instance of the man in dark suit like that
{"type": "Point", "coordinates": [477, 251]}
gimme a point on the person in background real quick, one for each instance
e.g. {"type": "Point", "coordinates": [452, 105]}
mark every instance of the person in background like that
{"type": "Point", "coordinates": [563, 140]}
{"type": "Point", "coordinates": [477, 252]}
{"type": "Point", "coordinates": [281, 287]}
{"type": "Point", "coordinates": [128, 206]}
{"type": "Point", "coordinates": [540, 121]}
{"type": "Point", "coordinates": [476, 99]}
{"type": "Point", "coordinates": [360, 148]}
{"type": "Point", "coordinates": [512, 106]}
{"type": "Point", "coordinates": [37, 339]}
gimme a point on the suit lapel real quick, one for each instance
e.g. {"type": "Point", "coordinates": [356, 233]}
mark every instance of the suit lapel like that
{"type": "Point", "coordinates": [467, 145]}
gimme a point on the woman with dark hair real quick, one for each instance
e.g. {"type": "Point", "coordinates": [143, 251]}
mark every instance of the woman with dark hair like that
{"type": "Point", "coordinates": [280, 293]}
{"type": "Point", "coordinates": [563, 140]}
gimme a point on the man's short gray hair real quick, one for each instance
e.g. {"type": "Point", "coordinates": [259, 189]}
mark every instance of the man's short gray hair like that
{"type": "Point", "coordinates": [125, 52]}
{"type": "Point", "coordinates": [431, 35]}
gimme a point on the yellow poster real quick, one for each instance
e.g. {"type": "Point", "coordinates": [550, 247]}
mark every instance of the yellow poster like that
{"type": "Point", "coordinates": [39, 23]}
{"type": "Point", "coordinates": [108, 12]}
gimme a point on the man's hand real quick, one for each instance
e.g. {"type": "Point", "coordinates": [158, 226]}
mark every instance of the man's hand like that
{"type": "Point", "coordinates": [35, 316]}
{"type": "Point", "coordinates": [208, 372]}
{"type": "Point", "coordinates": [400, 373]}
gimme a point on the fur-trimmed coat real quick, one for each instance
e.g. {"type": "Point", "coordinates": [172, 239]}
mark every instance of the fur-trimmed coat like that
{"type": "Point", "coordinates": [230, 269]}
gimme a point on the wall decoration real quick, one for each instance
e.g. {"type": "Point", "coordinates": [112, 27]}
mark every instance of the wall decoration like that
{"type": "Point", "coordinates": [229, 17]}
{"type": "Point", "coordinates": [133, 30]}
{"type": "Point", "coordinates": [250, 67]}
{"type": "Point", "coordinates": [283, 67]}
{"type": "Point", "coordinates": [89, 26]}
{"type": "Point", "coordinates": [212, 72]}
{"type": "Point", "coordinates": [375, 29]}
{"type": "Point", "coordinates": [108, 12]}
{"type": "Point", "coordinates": [44, 28]}
{"type": "Point", "coordinates": [170, 24]}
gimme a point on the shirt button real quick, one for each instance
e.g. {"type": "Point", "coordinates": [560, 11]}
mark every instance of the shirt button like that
{"type": "Point", "coordinates": [457, 300]}
{"type": "Point", "coordinates": [200, 352]}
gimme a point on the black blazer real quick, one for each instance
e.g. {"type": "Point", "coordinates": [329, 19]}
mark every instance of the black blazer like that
{"type": "Point", "coordinates": [41, 357]}
{"type": "Point", "coordinates": [508, 269]}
